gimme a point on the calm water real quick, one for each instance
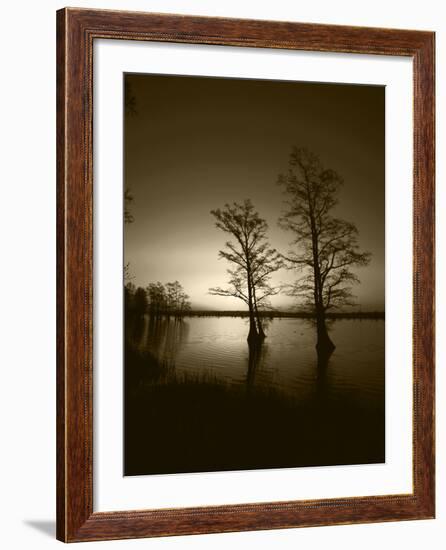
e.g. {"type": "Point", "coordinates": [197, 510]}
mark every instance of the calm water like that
{"type": "Point", "coordinates": [287, 360]}
{"type": "Point", "coordinates": [198, 399]}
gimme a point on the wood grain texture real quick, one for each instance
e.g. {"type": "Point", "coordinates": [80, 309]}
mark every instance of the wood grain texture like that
{"type": "Point", "coordinates": [76, 31]}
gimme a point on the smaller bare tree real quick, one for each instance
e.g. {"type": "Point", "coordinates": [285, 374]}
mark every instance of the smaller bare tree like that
{"type": "Point", "coordinates": [253, 258]}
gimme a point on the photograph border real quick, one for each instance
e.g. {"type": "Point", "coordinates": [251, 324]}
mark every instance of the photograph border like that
{"type": "Point", "coordinates": [76, 31]}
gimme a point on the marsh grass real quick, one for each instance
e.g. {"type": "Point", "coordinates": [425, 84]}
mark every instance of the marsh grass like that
{"type": "Point", "coordinates": [190, 422]}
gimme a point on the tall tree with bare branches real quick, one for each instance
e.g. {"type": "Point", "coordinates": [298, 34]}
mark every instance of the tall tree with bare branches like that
{"type": "Point", "coordinates": [325, 248]}
{"type": "Point", "coordinates": [252, 258]}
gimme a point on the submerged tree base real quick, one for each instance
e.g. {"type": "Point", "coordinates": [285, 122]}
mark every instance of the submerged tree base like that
{"type": "Point", "coordinates": [325, 349]}
{"type": "Point", "coordinates": [255, 338]}
{"type": "Point", "coordinates": [324, 346]}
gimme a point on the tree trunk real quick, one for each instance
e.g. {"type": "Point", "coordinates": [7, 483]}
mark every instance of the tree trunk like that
{"type": "Point", "coordinates": [324, 344]}
{"type": "Point", "coordinates": [252, 335]}
{"type": "Point", "coordinates": [260, 326]}
{"type": "Point", "coordinates": [258, 319]}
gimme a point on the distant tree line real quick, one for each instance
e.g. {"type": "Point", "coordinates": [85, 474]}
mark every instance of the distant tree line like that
{"type": "Point", "coordinates": [157, 300]}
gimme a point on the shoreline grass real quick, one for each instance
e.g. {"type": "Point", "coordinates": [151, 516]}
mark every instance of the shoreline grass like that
{"type": "Point", "coordinates": [189, 422]}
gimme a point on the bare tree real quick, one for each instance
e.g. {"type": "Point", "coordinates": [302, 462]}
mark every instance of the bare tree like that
{"type": "Point", "coordinates": [157, 299]}
{"type": "Point", "coordinates": [140, 301]}
{"type": "Point", "coordinates": [172, 293]}
{"type": "Point", "coordinates": [325, 248]}
{"type": "Point", "coordinates": [184, 304]}
{"type": "Point", "coordinates": [169, 299]}
{"type": "Point", "coordinates": [253, 259]}
{"type": "Point", "coordinates": [177, 300]}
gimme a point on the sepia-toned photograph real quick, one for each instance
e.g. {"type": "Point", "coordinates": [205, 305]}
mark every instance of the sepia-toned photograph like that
{"type": "Point", "coordinates": [254, 274]}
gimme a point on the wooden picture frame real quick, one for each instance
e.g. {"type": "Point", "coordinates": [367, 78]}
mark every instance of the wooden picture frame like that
{"type": "Point", "coordinates": [76, 31]}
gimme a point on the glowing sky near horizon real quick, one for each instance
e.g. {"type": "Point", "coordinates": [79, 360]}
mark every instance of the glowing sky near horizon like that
{"type": "Point", "coordinates": [195, 143]}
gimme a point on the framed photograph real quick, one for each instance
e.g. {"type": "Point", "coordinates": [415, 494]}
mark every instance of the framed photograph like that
{"type": "Point", "coordinates": [245, 275]}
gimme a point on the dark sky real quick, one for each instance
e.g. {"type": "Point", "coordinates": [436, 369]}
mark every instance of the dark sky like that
{"type": "Point", "coordinates": [195, 143]}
